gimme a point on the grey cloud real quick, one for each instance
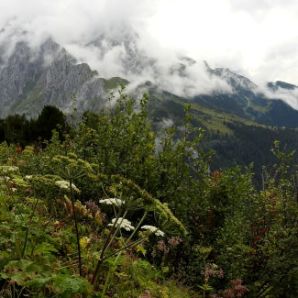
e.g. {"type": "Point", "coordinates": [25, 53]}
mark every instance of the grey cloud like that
{"type": "Point", "coordinates": [289, 96]}
{"type": "Point", "coordinates": [113, 37]}
{"type": "Point", "coordinates": [255, 6]}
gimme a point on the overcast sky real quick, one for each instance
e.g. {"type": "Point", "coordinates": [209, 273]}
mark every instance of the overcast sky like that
{"type": "Point", "coordinates": [258, 38]}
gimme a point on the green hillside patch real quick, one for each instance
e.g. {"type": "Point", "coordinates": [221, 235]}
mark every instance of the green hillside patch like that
{"type": "Point", "coordinates": [32, 104]}
{"type": "Point", "coordinates": [114, 83]}
{"type": "Point", "coordinates": [210, 119]}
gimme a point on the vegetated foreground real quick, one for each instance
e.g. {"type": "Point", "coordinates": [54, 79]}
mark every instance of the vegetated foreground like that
{"type": "Point", "coordinates": [111, 209]}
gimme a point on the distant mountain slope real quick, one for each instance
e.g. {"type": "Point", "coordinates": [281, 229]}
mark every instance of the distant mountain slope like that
{"type": "Point", "coordinates": [247, 102]}
{"type": "Point", "coordinates": [31, 79]}
{"type": "Point", "coordinates": [281, 85]}
{"type": "Point", "coordinates": [240, 125]}
{"type": "Point", "coordinates": [236, 140]}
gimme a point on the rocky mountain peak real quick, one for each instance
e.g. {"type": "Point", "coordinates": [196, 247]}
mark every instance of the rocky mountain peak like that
{"type": "Point", "coordinates": [34, 77]}
{"type": "Point", "coordinates": [235, 80]}
{"type": "Point", "coordinates": [274, 86]}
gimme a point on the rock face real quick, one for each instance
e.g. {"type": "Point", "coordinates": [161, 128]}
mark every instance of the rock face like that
{"type": "Point", "coordinates": [131, 57]}
{"type": "Point", "coordinates": [281, 85]}
{"type": "Point", "coordinates": [31, 79]}
{"type": "Point", "coordinates": [49, 75]}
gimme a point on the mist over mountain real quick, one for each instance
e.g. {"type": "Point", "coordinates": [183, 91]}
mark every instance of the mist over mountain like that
{"type": "Point", "coordinates": [233, 110]}
{"type": "Point", "coordinates": [128, 40]}
{"type": "Point", "coordinates": [32, 76]}
{"type": "Point", "coordinates": [148, 148]}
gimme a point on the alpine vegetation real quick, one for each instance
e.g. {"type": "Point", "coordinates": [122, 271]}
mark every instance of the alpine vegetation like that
{"type": "Point", "coordinates": [103, 210]}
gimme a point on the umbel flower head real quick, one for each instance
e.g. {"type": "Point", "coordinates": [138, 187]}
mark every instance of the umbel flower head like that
{"type": "Point", "coordinates": [153, 229]}
{"type": "Point", "coordinates": [112, 201]}
{"type": "Point", "coordinates": [5, 178]}
{"type": "Point", "coordinates": [66, 185]}
{"type": "Point", "coordinates": [122, 223]}
{"type": "Point", "coordinates": [8, 169]}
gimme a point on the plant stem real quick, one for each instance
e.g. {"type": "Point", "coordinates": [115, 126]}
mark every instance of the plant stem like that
{"type": "Point", "coordinates": [111, 271]}
{"type": "Point", "coordinates": [108, 242]}
{"type": "Point", "coordinates": [137, 227]}
{"type": "Point", "coordinates": [76, 228]}
{"type": "Point", "coordinates": [27, 228]}
{"type": "Point", "coordinates": [124, 247]}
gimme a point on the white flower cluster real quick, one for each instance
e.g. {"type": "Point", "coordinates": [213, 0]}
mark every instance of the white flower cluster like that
{"type": "Point", "coordinates": [112, 201]}
{"type": "Point", "coordinates": [123, 223]}
{"type": "Point", "coordinates": [5, 178]}
{"type": "Point", "coordinates": [153, 229]}
{"type": "Point", "coordinates": [28, 177]}
{"type": "Point", "coordinates": [63, 184]}
{"type": "Point", "coordinates": [8, 169]}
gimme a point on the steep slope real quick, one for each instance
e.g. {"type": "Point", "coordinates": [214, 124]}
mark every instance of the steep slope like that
{"type": "Point", "coordinates": [281, 85]}
{"type": "Point", "coordinates": [239, 124]}
{"type": "Point", "coordinates": [248, 102]}
{"type": "Point", "coordinates": [131, 58]}
{"type": "Point", "coordinates": [31, 79]}
{"type": "Point", "coordinates": [236, 140]}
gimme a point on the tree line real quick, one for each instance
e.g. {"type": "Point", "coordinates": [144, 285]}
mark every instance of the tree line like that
{"type": "Point", "coordinates": [17, 129]}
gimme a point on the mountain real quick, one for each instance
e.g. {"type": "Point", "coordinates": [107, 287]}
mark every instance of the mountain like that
{"type": "Point", "coordinates": [248, 101]}
{"type": "Point", "coordinates": [32, 78]}
{"type": "Point", "coordinates": [241, 124]}
{"type": "Point", "coordinates": [49, 75]}
{"type": "Point", "coordinates": [132, 59]}
{"type": "Point", "coordinates": [281, 85]}
{"type": "Point", "coordinates": [235, 140]}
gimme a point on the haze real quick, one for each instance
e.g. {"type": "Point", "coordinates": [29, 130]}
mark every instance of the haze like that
{"type": "Point", "coordinates": [257, 38]}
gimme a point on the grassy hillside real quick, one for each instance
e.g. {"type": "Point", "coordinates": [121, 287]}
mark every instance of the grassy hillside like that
{"type": "Point", "coordinates": [235, 140]}
{"type": "Point", "coordinates": [107, 211]}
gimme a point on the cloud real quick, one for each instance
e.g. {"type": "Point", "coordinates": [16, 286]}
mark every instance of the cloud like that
{"type": "Point", "coordinates": [256, 38]}
{"type": "Point", "coordinates": [240, 34]}
{"type": "Point", "coordinates": [72, 20]}
{"type": "Point", "coordinates": [260, 6]}
{"type": "Point", "coordinates": [290, 96]}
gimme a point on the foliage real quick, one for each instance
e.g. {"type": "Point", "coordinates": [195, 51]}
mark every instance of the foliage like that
{"type": "Point", "coordinates": [114, 209]}
{"type": "Point", "coordinates": [17, 129]}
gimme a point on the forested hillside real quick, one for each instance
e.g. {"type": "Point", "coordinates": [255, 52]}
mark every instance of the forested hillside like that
{"type": "Point", "coordinates": [112, 207]}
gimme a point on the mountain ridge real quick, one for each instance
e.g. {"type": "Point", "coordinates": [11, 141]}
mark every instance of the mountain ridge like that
{"type": "Point", "coordinates": [240, 126]}
{"type": "Point", "coordinates": [51, 76]}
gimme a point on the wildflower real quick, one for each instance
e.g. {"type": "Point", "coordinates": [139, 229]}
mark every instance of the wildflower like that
{"type": "Point", "coordinates": [122, 223]}
{"type": "Point", "coordinates": [80, 208]}
{"type": "Point", "coordinates": [237, 289]}
{"type": "Point", "coordinates": [174, 241]}
{"type": "Point", "coordinates": [98, 218]}
{"type": "Point", "coordinates": [4, 178]}
{"type": "Point", "coordinates": [112, 201]}
{"type": "Point", "coordinates": [58, 224]}
{"type": "Point", "coordinates": [212, 270]}
{"type": "Point", "coordinates": [161, 246]}
{"type": "Point", "coordinates": [8, 169]}
{"type": "Point", "coordinates": [91, 205]}
{"type": "Point", "coordinates": [28, 177]}
{"type": "Point", "coordinates": [84, 241]}
{"type": "Point", "coordinates": [154, 230]}
{"type": "Point", "coordinates": [63, 184]}
{"type": "Point", "coordinates": [13, 189]}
